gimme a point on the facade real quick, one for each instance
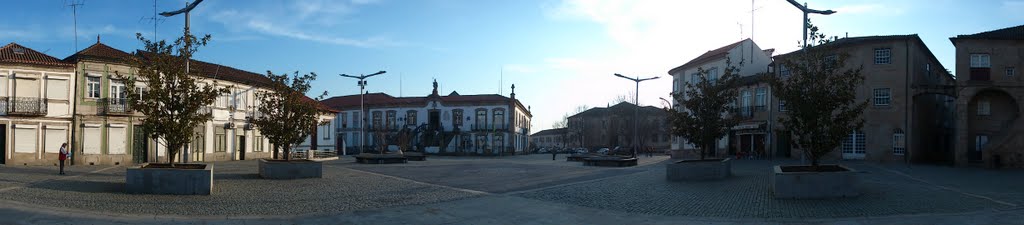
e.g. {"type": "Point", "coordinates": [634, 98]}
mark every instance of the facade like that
{"type": "Point", "coordinates": [549, 138]}
{"type": "Point", "coordinates": [610, 127]}
{"type": "Point", "coordinates": [988, 127]}
{"type": "Point", "coordinates": [909, 114]}
{"type": "Point", "coordinates": [35, 106]}
{"type": "Point", "coordinates": [750, 134]}
{"type": "Point", "coordinates": [106, 131]}
{"type": "Point", "coordinates": [454, 124]}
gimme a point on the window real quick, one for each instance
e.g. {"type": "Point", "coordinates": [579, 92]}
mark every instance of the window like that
{"type": "Point", "coordinates": [713, 74]}
{"type": "Point", "coordinates": [882, 96]}
{"type": "Point", "coordinates": [92, 87]}
{"type": "Point", "coordinates": [854, 143]}
{"type": "Point", "coordinates": [1011, 71]}
{"type": "Point", "coordinates": [499, 118]}
{"type": "Point", "coordinates": [980, 61]}
{"type": "Point", "coordinates": [222, 100]}
{"type": "Point", "coordinates": [57, 89]}
{"type": "Point", "coordinates": [410, 117]}
{"type": "Point", "coordinates": [139, 90]}
{"type": "Point", "coordinates": [830, 60]}
{"type": "Point", "coordinates": [984, 107]}
{"type": "Point", "coordinates": [344, 120]}
{"type": "Point", "coordinates": [883, 56]}
{"type": "Point", "coordinates": [257, 144]}
{"type": "Point", "coordinates": [745, 107]}
{"type": "Point", "coordinates": [457, 117]}
{"type": "Point", "coordinates": [392, 123]}
{"type": "Point", "coordinates": [481, 118]}
{"type": "Point", "coordinates": [355, 119]}
{"type": "Point", "coordinates": [782, 106]}
{"type": "Point", "coordinates": [675, 85]}
{"type": "Point", "coordinates": [783, 71]}
{"type": "Point", "coordinates": [762, 97]}
{"type": "Point", "coordinates": [980, 141]}
{"type": "Point", "coordinates": [899, 142]}
{"type": "Point", "coordinates": [694, 79]}
{"type": "Point", "coordinates": [377, 117]}
{"type": "Point", "coordinates": [117, 90]}
{"type": "Point", "coordinates": [327, 131]}
{"type": "Point", "coordinates": [220, 139]}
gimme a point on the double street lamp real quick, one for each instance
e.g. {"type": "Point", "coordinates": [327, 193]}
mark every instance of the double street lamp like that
{"type": "Point", "coordinates": [636, 111]}
{"type": "Point", "coordinates": [806, 11]}
{"type": "Point", "coordinates": [362, 109]}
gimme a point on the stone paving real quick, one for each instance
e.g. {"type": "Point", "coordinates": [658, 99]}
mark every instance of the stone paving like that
{"type": "Point", "coordinates": [528, 189]}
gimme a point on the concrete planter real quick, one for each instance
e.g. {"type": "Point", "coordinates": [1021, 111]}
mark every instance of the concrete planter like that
{"type": "Point", "coordinates": [295, 169]}
{"type": "Point", "coordinates": [837, 181]}
{"type": "Point", "coordinates": [610, 161]}
{"type": "Point", "coordinates": [415, 156]}
{"type": "Point", "coordinates": [184, 179]}
{"type": "Point", "coordinates": [708, 169]}
{"type": "Point", "coordinates": [369, 158]}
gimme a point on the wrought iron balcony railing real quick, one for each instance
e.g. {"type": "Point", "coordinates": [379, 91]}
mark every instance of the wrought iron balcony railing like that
{"type": "Point", "coordinates": [114, 106]}
{"type": "Point", "coordinates": [489, 127]}
{"type": "Point", "coordinates": [26, 106]}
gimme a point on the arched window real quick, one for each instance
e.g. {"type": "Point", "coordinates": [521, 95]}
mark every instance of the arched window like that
{"type": "Point", "coordinates": [899, 142]}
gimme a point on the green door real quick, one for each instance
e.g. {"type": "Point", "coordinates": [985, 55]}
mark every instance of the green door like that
{"type": "Point", "coordinates": [139, 146]}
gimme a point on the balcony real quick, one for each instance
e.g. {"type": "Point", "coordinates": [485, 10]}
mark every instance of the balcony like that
{"type": "Point", "coordinates": [113, 106]}
{"type": "Point", "coordinates": [489, 127]}
{"type": "Point", "coordinates": [25, 106]}
{"type": "Point", "coordinates": [744, 112]}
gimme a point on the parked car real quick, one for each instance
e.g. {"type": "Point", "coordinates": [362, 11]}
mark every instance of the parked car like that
{"type": "Point", "coordinates": [603, 151]}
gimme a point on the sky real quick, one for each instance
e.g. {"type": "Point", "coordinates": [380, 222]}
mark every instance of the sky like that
{"type": "Point", "coordinates": [560, 54]}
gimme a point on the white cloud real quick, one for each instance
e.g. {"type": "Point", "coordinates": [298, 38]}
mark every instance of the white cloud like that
{"type": "Point", "coordinates": [877, 9]}
{"type": "Point", "coordinates": [302, 20]}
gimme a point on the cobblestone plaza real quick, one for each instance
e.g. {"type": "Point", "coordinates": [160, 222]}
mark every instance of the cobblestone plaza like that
{"type": "Point", "coordinates": [529, 189]}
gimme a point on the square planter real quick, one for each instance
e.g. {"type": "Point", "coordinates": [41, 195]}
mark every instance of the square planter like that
{"type": "Point", "coordinates": [708, 169]}
{"type": "Point", "coordinates": [415, 156]}
{"type": "Point", "coordinates": [610, 161]}
{"type": "Point", "coordinates": [370, 158]}
{"type": "Point", "coordinates": [183, 179]}
{"type": "Point", "coordinates": [834, 181]}
{"type": "Point", "coordinates": [294, 169]}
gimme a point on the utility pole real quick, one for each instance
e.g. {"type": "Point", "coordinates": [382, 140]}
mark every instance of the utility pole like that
{"type": "Point", "coordinates": [74, 12]}
{"type": "Point", "coordinates": [636, 111]}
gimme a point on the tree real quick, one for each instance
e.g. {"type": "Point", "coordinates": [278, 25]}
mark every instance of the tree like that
{"type": "Point", "coordinates": [820, 96]}
{"type": "Point", "coordinates": [174, 99]}
{"type": "Point", "coordinates": [286, 115]}
{"type": "Point", "coordinates": [707, 112]}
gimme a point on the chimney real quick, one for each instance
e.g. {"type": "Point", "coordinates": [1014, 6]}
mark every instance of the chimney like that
{"type": "Point", "coordinates": [97, 39]}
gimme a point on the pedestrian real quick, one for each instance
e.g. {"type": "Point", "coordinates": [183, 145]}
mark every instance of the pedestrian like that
{"type": "Point", "coordinates": [63, 155]}
{"type": "Point", "coordinates": [553, 154]}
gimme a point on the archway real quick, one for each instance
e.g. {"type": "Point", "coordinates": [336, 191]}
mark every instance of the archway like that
{"type": "Point", "coordinates": [991, 114]}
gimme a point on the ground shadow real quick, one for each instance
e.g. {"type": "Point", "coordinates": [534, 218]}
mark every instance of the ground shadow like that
{"type": "Point", "coordinates": [81, 186]}
{"type": "Point", "coordinates": [236, 176]}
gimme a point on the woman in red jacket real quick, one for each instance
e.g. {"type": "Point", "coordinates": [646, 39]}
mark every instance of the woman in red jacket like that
{"type": "Point", "coordinates": [63, 156]}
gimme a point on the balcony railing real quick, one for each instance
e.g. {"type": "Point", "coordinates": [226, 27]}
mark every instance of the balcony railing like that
{"type": "Point", "coordinates": [489, 127]}
{"type": "Point", "coordinates": [26, 106]}
{"type": "Point", "coordinates": [114, 106]}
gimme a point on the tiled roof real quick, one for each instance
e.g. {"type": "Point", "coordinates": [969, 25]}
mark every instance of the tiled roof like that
{"type": "Point", "coordinates": [99, 51]}
{"type": "Point", "coordinates": [221, 72]}
{"type": "Point", "coordinates": [707, 57]}
{"type": "Point", "coordinates": [15, 53]}
{"type": "Point", "coordinates": [555, 131]}
{"type": "Point", "coordinates": [1009, 33]}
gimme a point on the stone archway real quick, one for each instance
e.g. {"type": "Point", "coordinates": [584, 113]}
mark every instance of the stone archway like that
{"type": "Point", "coordinates": [992, 121]}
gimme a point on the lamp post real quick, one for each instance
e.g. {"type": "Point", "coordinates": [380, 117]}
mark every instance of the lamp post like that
{"type": "Point", "coordinates": [636, 111]}
{"type": "Point", "coordinates": [188, 56]}
{"type": "Point", "coordinates": [362, 109]}
{"type": "Point", "coordinates": [806, 11]}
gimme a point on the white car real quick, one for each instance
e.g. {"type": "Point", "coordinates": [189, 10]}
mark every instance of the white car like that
{"type": "Point", "coordinates": [603, 151]}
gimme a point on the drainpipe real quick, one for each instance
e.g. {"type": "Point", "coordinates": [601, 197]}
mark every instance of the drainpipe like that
{"type": "Point", "coordinates": [74, 118]}
{"type": "Point", "coordinates": [908, 106]}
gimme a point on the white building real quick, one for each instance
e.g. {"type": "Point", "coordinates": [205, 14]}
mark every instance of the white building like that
{"type": "Point", "coordinates": [745, 55]}
{"type": "Point", "coordinates": [35, 105]}
{"type": "Point", "coordinates": [454, 124]}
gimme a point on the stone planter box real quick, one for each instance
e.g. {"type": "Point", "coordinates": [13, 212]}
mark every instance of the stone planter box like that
{"type": "Point", "coordinates": [367, 158]}
{"type": "Point", "coordinates": [795, 182]}
{"type": "Point", "coordinates": [415, 156]}
{"type": "Point", "coordinates": [708, 169]}
{"type": "Point", "coordinates": [183, 179]}
{"type": "Point", "coordinates": [609, 161]}
{"type": "Point", "coordinates": [295, 169]}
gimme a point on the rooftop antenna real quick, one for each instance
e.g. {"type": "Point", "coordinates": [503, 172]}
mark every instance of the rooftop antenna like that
{"type": "Point", "coordinates": [400, 75]}
{"type": "Point", "coordinates": [501, 79]}
{"type": "Point", "coordinates": [154, 19]}
{"type": "Point", "coordinates": [74, 13]}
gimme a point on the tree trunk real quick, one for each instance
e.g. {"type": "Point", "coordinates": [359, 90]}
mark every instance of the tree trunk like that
{"type": "Point", "coordinates": [275, 151]}
{"type": "Point", "coordinates": [171, 150]}
{"type": "Point", "coordinates": [287, 153]}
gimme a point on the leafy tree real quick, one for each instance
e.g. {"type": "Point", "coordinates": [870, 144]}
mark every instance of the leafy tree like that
{"type": "Point", "coordinates": [820, 96]}
{"type": "Point", "coordinates": [174, 99]}
{"type": "Point", "coordinates": [707, 109]}
{"type": "Point", "coordinates": [286, 115]}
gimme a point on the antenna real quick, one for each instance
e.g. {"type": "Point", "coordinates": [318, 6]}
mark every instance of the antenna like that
{"type": "Point", "coordinates": [400, 75]}
{"type": "Point", "coordinates": [154, 19]}
{"type": "Point", "coordinates": [74, 13]}
{"type": "Point", "coordinates": [501, 79]}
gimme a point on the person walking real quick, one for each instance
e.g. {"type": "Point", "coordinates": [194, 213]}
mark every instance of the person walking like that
{"type": "Point", "coordinates": [63, 156]}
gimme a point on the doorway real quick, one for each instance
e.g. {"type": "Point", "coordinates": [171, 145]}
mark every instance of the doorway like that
{"type": "Point", "coordinates": [435, 120]}
{"type": "Point", "coordinates": [3, 143]}
{"type": "Point", "coordinates": [140, 146]}
{"type": "Point", "coordinates": [241, 147]}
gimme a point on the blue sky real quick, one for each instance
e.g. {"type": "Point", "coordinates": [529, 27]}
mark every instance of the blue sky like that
{"type": "Point", "coordinates": [558, 53]}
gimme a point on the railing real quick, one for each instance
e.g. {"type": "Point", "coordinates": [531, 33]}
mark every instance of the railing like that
{"type": "Point", "coordinates": [489, 127]}
{"type": "Point", "coordinates": [111, 106]}
{"type": "Point", "coordinates": [313, 154]}
{"type": "Point", "coordinates": [28, 106]}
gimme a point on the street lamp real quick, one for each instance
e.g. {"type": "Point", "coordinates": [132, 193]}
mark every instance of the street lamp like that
{"type": "Point", "coordinates": [362, 114]}
{"type": "Point", "coordinates": [188, 56]}
{"type": "Point", "coordinates": [636, 111]}
{"type": "Point", "coordinates": [806, 11]}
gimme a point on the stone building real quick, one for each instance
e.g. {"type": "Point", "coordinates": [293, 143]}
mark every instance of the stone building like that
{"type": "Point", "coordinates": [909, 113]}
{"type": "Point", "coordinates": [610, 127]}
{"type": "Point", "coordinates": [549, 138]}
{"type": "Point", "coordinates": [35, 105]}
{"type": "Point", "coordinates": [452, 124]}
{"type": "Point", "coordinates": [989, 128]}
